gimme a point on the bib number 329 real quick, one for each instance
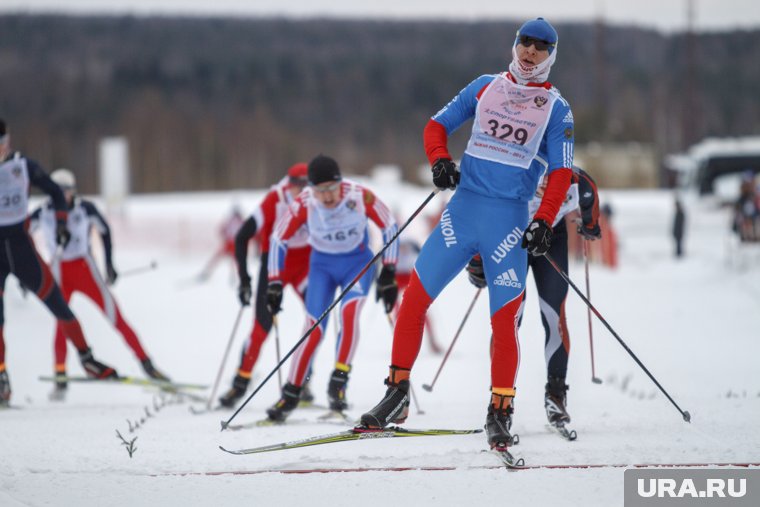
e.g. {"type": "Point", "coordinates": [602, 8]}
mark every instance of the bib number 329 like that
{"type": "Point", "coordinates": [504, 131]}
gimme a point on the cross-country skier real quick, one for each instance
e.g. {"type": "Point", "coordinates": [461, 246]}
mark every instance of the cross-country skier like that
{"type": "Point", "coordinates": [261, 222]}
{"type": "Point", "coordinates": [522, 129]}
{"type": "Point", "coordinates": [75, 270]}
{"type": "Point", "coordinates": [336, 212]}
{"type": "Point", "coordinates": [19, 257]}
{"type": "Point", "coordinates": [227, 231]}
{"type": "Point", "coordinates": [552, 288]}
{"type": "Point", "coordinates": [408, 250]}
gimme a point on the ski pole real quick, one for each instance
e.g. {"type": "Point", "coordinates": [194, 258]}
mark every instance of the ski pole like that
{"type": "Point", "coordinates": [277, 348]}
{"type": "Point", "coordinates": [224, 358]}
{"type": "Point", "coordinates": [594, 378]}
{"type": "Point", "coordinates": [429, 387]}
{"type": "Point", "coordinates": [411, 387]}
{"type": "Point", "coordinates": [138, 270]}
{"type": "Point", "coordinates": [329, 308]}
{"type": "Point", "coordinates": [414, 400]}
{"type": "Point", "coordinates": [685, 414]}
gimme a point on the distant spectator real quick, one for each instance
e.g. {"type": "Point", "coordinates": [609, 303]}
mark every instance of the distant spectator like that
{"type": "Point", "coordinates": [747, 211]}
{"type": "Point", "coordinates": [679, 224]}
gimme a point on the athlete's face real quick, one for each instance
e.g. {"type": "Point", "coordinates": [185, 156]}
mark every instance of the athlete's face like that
{"type": "Point", "coordinates": [327, 193]}
{"type": "Point", "coordinates": [530, 56]}
{"type": "Point", "coordinates": [69, 194]}
{"type": "Point", "coordinates": [295, 190]}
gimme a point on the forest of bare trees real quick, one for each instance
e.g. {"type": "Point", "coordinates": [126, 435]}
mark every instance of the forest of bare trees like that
{"type": "Point", "coordinates": [223, 103]}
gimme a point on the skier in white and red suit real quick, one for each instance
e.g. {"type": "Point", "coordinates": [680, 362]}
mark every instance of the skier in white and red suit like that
{"type": "Point", "coordinates": [76, 271]}
{"type": "Point", "coordinates": [260, 224]}
{"type": "Point", "coordinates": [228, 230]}
{"type": "Point", "coordinates": [336, 212]}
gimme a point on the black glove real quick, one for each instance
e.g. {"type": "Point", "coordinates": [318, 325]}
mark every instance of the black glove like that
{"type": "Point", "coordinates": [111, 274]}
{"type": "Point", "coordinates": [475, 272]}
{"type": "Point", "coordinates": [62, 234]}
{"type": "Point", "coordinates": [387, 288]}
{"type": "Point", "coordinates": [538, 237]}
{"type": "Point", "coordinates": [445, 174]}
{"type": "Point", "coordinates": [590, 234]}
{"type": "Point", "coordinates": [244, 291]}
{"type": "Point", "coordinates": [274, 297]}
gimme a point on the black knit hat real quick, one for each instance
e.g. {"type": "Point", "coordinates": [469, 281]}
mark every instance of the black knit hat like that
{"type": "Point", "coordinates": [323, 169]}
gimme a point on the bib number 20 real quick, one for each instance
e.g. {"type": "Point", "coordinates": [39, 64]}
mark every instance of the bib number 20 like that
{"type": "Point", "coordinates": [7, 201]}
{"type": "Point", "coordinates": [503, 131]}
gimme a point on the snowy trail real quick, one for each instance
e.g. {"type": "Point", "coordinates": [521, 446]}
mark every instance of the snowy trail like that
{"type": "Point", "coordinates": [693, 323]}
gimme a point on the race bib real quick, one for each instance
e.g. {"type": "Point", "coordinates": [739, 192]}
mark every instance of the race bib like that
{"type": "Point", "coordinates": [510, 122]}
{"type": "Point", "coordinates": [340, 229]}
{"type": "Point", "coordinates": [14, 191]}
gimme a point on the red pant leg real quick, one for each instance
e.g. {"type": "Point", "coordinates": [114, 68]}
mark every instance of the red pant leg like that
{"type": "Point", "coordinates": [407, 336]}
{"type": "Point", "coordinates": [505, 349]}
{"type": "Point", "coordinates": [83, 276]}
{"type": "Point", "coordinates": [349, 330]}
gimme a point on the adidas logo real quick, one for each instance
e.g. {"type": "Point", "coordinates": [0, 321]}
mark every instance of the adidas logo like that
{"type": "Point", "coordinates": [508, 279]}
{"type": "Point", "coordinates": [568, 117]}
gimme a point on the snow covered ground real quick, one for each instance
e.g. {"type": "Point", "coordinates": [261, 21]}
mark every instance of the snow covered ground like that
{"type": "Point", "coordinates": [694, 323]}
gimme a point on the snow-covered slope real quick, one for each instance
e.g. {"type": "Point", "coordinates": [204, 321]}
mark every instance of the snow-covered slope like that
{"type": "Point", "coordinates": [693, 322]}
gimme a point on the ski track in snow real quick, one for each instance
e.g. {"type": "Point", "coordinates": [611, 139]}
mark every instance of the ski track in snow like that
{"type": "Point", "coordinates": [693, 323]}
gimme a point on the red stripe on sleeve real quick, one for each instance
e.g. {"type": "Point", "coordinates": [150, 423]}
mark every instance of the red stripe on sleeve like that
{"type": "Point", "coordinates": [435, 140]}
{"type": "Point", "coordinates": [291, 222]}
{"type": "Point", "coordinates": [554, 195]}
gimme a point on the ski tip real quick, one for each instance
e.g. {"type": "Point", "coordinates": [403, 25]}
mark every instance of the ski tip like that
{"type": "Point", "coordinates": [427, 387]}
{"type": "Point", "coordinates": [687, 416]}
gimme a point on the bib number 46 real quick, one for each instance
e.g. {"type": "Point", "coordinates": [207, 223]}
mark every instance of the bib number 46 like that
{"type": "Point", "coordinates": [340, 235]}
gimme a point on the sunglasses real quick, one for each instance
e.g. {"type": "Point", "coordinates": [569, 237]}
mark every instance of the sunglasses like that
{"type": "Point", "coordinates": [327, 188]}
{"type": "Point", "coordinates": [540, 45]}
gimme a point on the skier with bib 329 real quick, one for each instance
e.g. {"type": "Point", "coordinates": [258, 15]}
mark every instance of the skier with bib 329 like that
{"type": "Point", "coordinates": [336, 212]}
{"type": "Point", "coordinates": [522, 129]}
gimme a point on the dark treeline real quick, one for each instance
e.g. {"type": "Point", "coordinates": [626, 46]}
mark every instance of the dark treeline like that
{"type": "Point", "coordinates": [222, 103]}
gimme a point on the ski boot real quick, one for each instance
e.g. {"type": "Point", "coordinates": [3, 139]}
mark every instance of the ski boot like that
{"type": "Point", "coordinates": [61, 386]}
{"type": "Point", "coordinates": [555, 401]}
{"type": "Point", "coordinates": [237, 391]}
{"type": "Point", "coordinates": [307, 397]}
{"type": "Point", "coordinates": [394, 407]}
{"type": "Point", "coordinates": [499, 421]}
{"type": "Point", "coordinates": [95, 368]}
{"type": "Point", "coordinates": [5, 389]}
{"type": "Point", "coordinates": [152, 372]}
{"type": "Point", "coordinates": [286, 404]}
{"type": "Point", "coordinates": [336, 389]}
